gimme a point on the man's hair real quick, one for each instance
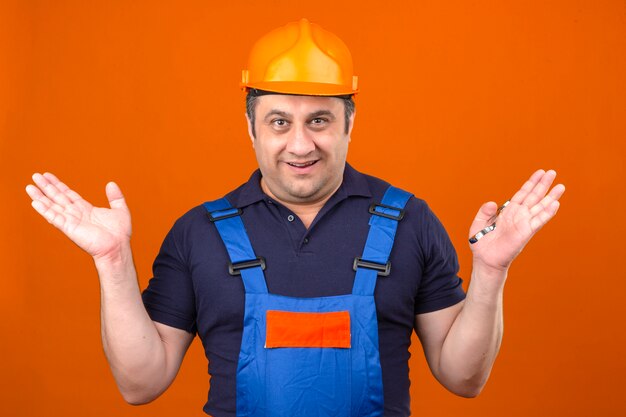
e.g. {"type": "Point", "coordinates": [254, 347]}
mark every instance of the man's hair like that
{"type": "Point", "coordinates": [252, 96]}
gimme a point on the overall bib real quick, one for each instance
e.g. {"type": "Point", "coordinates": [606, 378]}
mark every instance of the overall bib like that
{"type": "Point", "coordinates": [310, 357]}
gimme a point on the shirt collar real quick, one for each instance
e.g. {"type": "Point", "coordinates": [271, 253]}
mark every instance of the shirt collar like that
{"type": "Point", "coordinates": [354, 184]}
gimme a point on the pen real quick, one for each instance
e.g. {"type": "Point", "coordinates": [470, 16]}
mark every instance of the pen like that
{"type": "Point", "coordinates": [491, 227]}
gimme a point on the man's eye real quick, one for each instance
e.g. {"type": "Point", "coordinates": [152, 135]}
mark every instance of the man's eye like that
{"type": "Point", "coordinates": [318, 121]}
{"type": "Point", "coordinates": [279, 122]}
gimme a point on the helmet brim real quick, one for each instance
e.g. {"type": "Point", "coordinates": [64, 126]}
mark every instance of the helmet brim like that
{"type": "Point", "coordinates": [301, 88]}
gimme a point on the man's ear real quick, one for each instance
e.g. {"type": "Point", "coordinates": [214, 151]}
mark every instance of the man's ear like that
{"type": "Point", "coordinates": [351, 125]}
{"type": "Point", "coordinates": [250, 129]}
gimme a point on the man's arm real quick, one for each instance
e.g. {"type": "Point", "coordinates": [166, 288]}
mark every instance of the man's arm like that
{"type": "Point", "coordinates": [461, 342]}
{"type": "Point", "coordinates": [144, 356]}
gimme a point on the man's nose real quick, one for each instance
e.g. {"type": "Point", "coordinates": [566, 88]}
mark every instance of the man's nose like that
{"type": "Point", "coordinates": [300, 141]}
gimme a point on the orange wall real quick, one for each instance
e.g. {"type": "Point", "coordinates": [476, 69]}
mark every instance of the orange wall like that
{"type": "Point", "coordinates": [460, 102]}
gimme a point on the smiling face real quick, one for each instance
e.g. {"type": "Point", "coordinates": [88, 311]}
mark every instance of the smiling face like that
{"type": "Point", "coordinates": [301, 146]}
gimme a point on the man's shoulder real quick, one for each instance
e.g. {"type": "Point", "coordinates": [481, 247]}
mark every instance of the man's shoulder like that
{"type": "Point", "coordinates": [243, 195]}
{"type": "Point", "coordinates": [191, 220]}
{"type": "Point", "coordinates": [379, 186]}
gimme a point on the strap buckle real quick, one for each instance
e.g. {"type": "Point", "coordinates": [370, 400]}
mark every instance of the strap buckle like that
{"type": "Point", "coordinates": [400, 211]}
{"type": "Point", "coordinates": [234, 269]}
{"type": "Point", "coordinates": [215, 216]}
{"type": "Point", "coordinates": [383, 269]}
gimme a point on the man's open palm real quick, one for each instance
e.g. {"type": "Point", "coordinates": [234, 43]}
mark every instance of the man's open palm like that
{"type": "Point", "coordinates": [97, 230]}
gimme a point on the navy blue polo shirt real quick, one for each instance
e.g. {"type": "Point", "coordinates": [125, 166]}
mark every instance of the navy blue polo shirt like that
{"type": "Point", "coordinates": [192, 290]}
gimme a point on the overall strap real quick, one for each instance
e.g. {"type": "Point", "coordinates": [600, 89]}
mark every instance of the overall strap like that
{"type": "Point", "coordinates": [242, 257]}
{"type": "Point", "coordinates": [383, 226]}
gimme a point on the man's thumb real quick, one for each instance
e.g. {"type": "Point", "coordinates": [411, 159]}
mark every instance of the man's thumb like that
{"type": "Point", "coordinates": [115, 196]}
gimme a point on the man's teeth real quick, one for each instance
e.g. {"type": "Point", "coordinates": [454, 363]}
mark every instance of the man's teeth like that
{"type": "Point", "coordinates": [306, 164]}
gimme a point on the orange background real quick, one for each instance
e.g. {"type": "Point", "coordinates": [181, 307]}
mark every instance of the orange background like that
{"type": "Point", "coordinates": [461, 101]}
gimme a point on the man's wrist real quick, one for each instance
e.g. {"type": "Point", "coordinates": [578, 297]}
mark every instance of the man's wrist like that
{"type": "Point", "coordinates": [114, 260]}
{"type": "Point", "coordinates": [488, 278]}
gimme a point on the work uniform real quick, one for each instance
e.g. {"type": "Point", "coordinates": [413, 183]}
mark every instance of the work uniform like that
{"type": "Point", "coordinates": [193, 290]}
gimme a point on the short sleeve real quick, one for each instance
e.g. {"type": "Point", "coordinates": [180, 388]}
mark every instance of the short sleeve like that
{"type": "Point", "coordinates": [440, 286]}
{"type": "Point", "coordinates": [169, 297]}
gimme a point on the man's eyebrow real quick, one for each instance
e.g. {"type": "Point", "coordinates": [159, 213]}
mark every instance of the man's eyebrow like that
{"type": "Point", "coordinates": [322, 113]}
{"type": "Point", "coordinates": [276, 112]}
{"type": "Point", "coordinates": [286, 115]}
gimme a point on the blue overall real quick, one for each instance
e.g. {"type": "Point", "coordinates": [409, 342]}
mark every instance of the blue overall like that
{"type": "Point", "coordinates": [311, 381]}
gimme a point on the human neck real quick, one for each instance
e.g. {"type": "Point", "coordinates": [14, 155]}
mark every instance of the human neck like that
{"type": "Point", "coordinates": [306, 210]}
{"type": "Point", "coordinates": [306, 213]}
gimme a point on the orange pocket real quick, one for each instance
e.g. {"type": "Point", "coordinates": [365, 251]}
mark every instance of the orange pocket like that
{"type": "Point", "coordinates": [295, 329]}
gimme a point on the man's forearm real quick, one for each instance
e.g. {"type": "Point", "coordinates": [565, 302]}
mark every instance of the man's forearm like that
{"type": "Point", "coordinates": [130, 339]}
{"type": "Point", "coordinates": [471, 346]}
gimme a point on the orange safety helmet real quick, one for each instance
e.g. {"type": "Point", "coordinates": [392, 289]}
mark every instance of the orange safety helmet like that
{"type": "Point", "coordinates": [300, 58]}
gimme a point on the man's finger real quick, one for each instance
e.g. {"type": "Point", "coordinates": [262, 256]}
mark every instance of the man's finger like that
{"type": "Point", "coordinates": [34, 192]}
{"type": "Point", "coordinates": [50, 190]}
{"type": "Point", "coordinates": [554, 195]}
{"type": "Point", "coordinates": [50, 214]}
{"type": "Point", "coordinates": [540, 189]}
{"type": "Point", "coordinates": [72, 195]}
{"type": "Point", "coordinates": [115, 196]}
{"type": "Point", "coordinates": [486, 212]}
{"type": "Point", "coordinates": [544, 216]}
{"type": "Point", "coordinates": [527, 187]}
{"type": "Point", "coordinates": [36, 195]}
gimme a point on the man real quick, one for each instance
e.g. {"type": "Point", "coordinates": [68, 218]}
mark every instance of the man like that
{"type": "Point", "coordinates": [306, 310]}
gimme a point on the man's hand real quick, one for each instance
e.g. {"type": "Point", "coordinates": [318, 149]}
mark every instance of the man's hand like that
{"type": "Point", "coordinates": [144, 356]}
{"type": "Point", "coordinates": [100, 232]}
{"type": "Point", "coordinates": [528, 211]}
{"type": "Point", "coordinates": [461, 342]}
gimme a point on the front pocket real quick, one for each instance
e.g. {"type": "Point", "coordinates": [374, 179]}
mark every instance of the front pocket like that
{"type": "Point", "coordinates": [307, 330]}
{"type": "Point", "coordinates": [308, 365]}
{"type": "Point", "coordinates": [308, 382]}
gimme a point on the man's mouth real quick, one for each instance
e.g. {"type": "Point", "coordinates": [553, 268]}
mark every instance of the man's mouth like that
{"type": "Point", "coordinates": [301, 164]}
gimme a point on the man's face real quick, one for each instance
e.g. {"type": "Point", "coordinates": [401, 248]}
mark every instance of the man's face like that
{"type": "Point", "coordinates": [301, 146]}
